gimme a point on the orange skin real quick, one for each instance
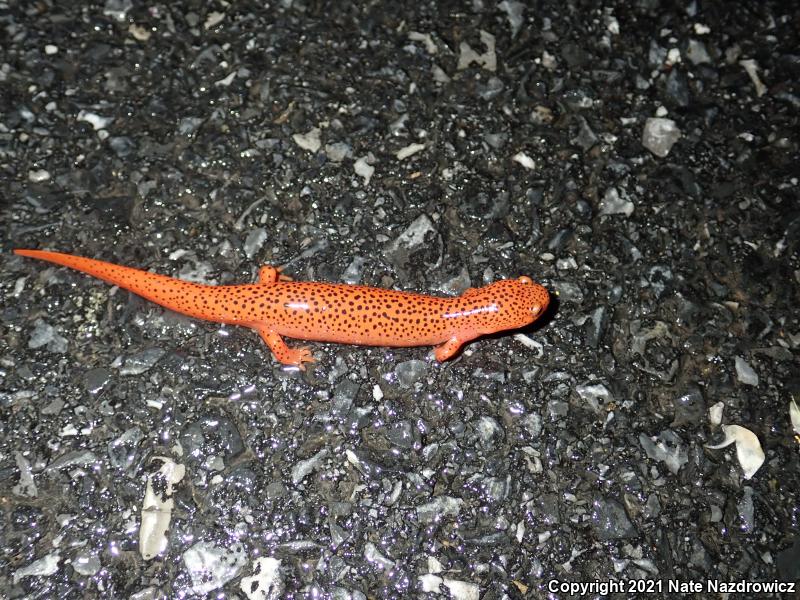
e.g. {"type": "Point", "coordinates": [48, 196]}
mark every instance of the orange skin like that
{"type": "Point", "coordinates": [328, 312]}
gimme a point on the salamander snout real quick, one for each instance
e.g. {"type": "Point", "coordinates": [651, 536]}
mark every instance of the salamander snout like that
{"type": "Point", "coordinates": [533, 296]}
{"type": "Point", "coordinates": [502, 305]}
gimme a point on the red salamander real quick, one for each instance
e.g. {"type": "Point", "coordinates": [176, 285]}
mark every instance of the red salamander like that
{"type": "Point", "coordinates": [328, 312]}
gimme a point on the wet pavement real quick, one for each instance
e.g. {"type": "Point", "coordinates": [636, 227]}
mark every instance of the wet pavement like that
{"type": "Point", "coordinates": [638, 159]}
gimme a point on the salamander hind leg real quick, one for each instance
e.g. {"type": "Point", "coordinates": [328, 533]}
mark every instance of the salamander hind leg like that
{"type": "Point", "coordinates": [282, 353]}
{"type": "Point", "coordinates": [270, 275]}
{"type": "Point", "coordinates": [446, 350]}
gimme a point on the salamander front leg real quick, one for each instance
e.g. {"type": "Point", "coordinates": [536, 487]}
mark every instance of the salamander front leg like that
{"type": "Point", "coordinates": [446, 350]}
{"type": "Point", "coordinates": [269, 275]}
{"type": "Point", "coordinates": [282, 353]}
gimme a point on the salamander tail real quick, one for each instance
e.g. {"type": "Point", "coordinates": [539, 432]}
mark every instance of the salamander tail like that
{"type": "Point", "coordinates": [193, 299]}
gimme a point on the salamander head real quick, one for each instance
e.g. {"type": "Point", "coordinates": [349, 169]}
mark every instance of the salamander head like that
{"type": "Point", "coordinates": [510, 304]}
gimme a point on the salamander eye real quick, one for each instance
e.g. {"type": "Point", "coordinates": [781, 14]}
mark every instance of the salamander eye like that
{"type": "Point", "coordinates": [525, 279]}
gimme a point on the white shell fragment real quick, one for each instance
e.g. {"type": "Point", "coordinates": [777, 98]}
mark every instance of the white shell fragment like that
{"type": "Point", "coordinates": [157, 507]}
{"type": "Point", "coordinates": [794, 416]}
{"type": "Point", "coordinates": [748, 448]}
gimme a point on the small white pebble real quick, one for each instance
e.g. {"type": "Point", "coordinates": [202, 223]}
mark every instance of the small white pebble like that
{"type": "Point", "coordinates": [434, 566]}
{"type": "Point", "coordinates": [566, 263]}
{"type": "Point", "coordinates": [19, 285]}
{"type": "Point", "coordinates": [430, 583]}
{"type": "Point", "coordinates": [425, 38]}
{"type": "Point", "coordinates": [462, 590]}
{"type": "Point", "coordinates": [308, 141]}
{"type": "Point", "coordinates": [744, 372]}
{"type": "Point", "coordinates": [227, 80]}
{"type": "Point", "coordinates": [701, 29]}
{"type": "Point", "coordinates": [409, 150]}
{"type": "Point", "coordinates": [659, 135]}
{"type": "Point", "coordinates": [548, 61]}
{"type": "Point", "coordinates": [140, 33]}
{"type": "Point", "coordinates": [673, 56]}
{"type": "Point", "coordinates": [523, 159]}
{"type": "Point", "coordinates": [751, 67]}
{"type": "Point", "coordinates": [96, 121]}
{"type": "Point", "coordinates": [364, 169]}
{"type": "Point", "coordinates": [487, 60]}
{"type": "Point", "coordinates": [38, 176]}
{"type": "Point", "coordinates": [715, 414]}
{"type": "Point", "coordinates": [214, 18]}
{"type": "Point", "coordinates": [613, 203]}
{"type": "Point", "coordinates": [439, 76]}
{"type": "Point", "coordinates": [794, 416]}
{"type": "Point", "coordinates": [520, 533]}
{"type": "Point", "coordinates": [50, 49]}
{"type": "Point", "coordinates": [266, 581]}
{"type": "Point", "coordinates": [44, 567]}
{"type": "Point", "coordinates": [68, 430]}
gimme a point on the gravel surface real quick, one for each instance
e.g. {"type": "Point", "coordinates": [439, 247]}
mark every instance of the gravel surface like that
{"type": "Point", "coordinates": [639, 159]}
